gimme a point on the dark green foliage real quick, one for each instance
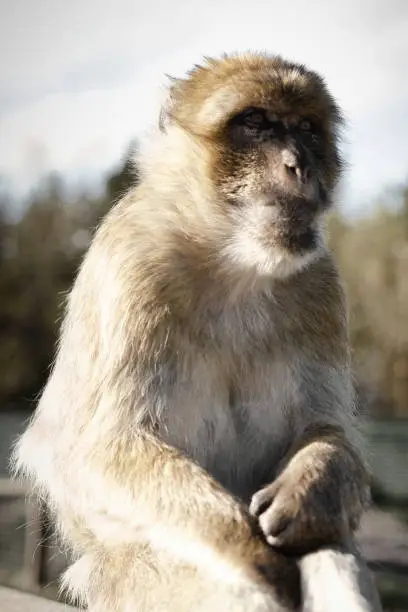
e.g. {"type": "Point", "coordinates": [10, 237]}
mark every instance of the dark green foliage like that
{"type": "Point", "coordinates": [39, 256]}
{"type": "Point", "coordinates": [373, 257]}
{"type": "Point", "coordinates": [125, 177]}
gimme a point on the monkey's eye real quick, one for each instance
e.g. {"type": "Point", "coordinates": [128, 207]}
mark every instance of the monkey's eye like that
{"type": "Point", "coordinates": [251, 117]}
{"type": "Point", "coordinates": [306, 125]}
{"type": "Point", "coordinates": [254, 117]}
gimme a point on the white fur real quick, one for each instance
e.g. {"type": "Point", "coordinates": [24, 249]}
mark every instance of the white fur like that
{"type": "Point", "coordinates": [194, 552]}
{"type": "Point", "coordinates": [252, 245]}
{"type": "Point", "coordinates": [220, 105]}
{"type": "Point", "coordinates": [247, 251]}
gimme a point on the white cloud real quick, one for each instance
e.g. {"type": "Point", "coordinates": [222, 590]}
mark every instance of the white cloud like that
{"type": "Point", "coordinates": [74, 134]}
{"type": "Point", "coordinates": [79, 79]}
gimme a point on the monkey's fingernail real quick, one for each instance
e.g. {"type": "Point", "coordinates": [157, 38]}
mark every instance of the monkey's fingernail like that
{"type": "Point", "coordinates": [272, 524]}
{"type": "Point", "coordinates": [278, 529]}
{"type": "Point", "coordinates": [275, 541]}
{"type": "Point", "coordinates": [259, 504]}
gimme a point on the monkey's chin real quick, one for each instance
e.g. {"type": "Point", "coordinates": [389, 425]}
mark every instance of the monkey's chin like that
{"type": "Point", "coordinates": [291, 257]}
{"type": "Point", "coordinates": [274, 256]}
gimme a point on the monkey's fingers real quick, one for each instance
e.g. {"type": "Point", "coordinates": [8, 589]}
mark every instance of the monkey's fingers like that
{"type": "Point", "coordinates": [262, 499]}
{"type": "Point", "coordinates": [275, 523]}
{"type": "Point", "coordinates": [278, 515]}
{"type": "Point", "coordinates": [277, 527]}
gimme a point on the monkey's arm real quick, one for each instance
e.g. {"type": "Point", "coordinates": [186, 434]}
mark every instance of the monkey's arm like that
{"type": "Point", "coordinates": [159, 494]}
{"type": "Point", "coordinates": [312, 509]}
{"type": "Point", "coordinates": [319, 495]}
{"type": "Point", "coordinates": [322, 483]}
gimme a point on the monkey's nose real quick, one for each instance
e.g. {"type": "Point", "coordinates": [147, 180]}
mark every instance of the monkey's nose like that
{"type": "Point", "coordinates": [295, 167]}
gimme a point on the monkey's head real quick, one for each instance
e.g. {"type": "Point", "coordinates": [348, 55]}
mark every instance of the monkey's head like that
{"type": "Point", "coordinates": [271, 129]}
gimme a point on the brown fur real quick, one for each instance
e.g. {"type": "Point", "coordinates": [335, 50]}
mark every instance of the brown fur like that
{"type": "Point", "coordinates": [203, 355]}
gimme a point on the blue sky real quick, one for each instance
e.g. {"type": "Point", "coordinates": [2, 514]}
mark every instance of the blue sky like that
{"type": "Point", "coordinates": [80, 79]}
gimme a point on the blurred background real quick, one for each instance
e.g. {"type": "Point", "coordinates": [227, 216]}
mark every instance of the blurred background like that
{"type": "Point", "coordinates": [80, 83]}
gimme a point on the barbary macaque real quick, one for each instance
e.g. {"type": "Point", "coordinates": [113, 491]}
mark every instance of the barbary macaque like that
{"type": "Point", "coordinates": [197, 439]}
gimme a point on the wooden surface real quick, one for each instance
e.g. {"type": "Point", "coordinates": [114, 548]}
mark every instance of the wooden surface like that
{"type": "Point", "coordinates": [16, 601]}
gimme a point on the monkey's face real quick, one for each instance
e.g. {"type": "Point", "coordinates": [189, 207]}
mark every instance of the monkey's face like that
{"type": "Point", "coordinates": [272, 128]}
{"type": "Point", "coordinates": [276, 169]}
{"type": "Point", "coordinates": [276, 176]}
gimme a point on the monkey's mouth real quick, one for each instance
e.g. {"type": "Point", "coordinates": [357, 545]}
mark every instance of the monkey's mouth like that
{"type": "Point", "coordinates": [292, 234]}
{"type": "Point", "coordinates": [296, 225]}
{"type": "Point", "coordinates": [297, 238]}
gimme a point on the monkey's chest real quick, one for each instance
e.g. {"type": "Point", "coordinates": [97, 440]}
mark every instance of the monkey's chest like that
{"type": "Point", "coordinates": [237, 431]}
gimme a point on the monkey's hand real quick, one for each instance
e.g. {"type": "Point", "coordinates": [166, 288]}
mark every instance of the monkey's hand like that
{"type": "Point", "coordinates": [319, 496]}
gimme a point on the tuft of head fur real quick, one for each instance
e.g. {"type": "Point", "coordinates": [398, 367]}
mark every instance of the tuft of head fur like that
{"type": "Point", "coordinates": [219, 88]}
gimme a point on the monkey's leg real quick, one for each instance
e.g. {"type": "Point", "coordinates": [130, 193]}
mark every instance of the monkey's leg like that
{"type": "Point", "coordinates": [336, 579]}
{"type": "Point", "coordinates": [142, 579]}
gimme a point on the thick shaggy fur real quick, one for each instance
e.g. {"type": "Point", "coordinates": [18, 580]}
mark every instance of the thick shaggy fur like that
{"type": "Point", "coordinates": [203, 369]}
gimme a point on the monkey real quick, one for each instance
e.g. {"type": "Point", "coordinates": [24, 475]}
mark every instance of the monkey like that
{"type": "Point", "coordinates": [197, 439]}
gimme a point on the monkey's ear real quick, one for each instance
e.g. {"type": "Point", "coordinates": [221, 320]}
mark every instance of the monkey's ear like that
{"type": "Point", "coordinates": [165, 117]}
{"type": "Point", "coordinates": [165, 111]}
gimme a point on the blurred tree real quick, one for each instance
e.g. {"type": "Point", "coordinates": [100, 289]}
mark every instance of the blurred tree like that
{"type": "Point", "coordinates": [39, 256]}
{"type": "Point", "coordinates": [38, 267]}
{"type": "Point", "coordinates": [125, 177]}
{"type": "Point", "coordinates": [373, 257]}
